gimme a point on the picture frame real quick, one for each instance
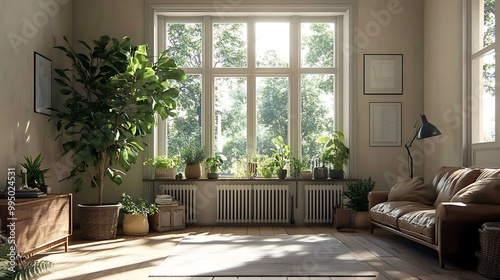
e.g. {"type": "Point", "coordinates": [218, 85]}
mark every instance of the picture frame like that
{"type": "Point", "coordinates": [385, 124]}
{"type": "Point", "coordinates": [383, 74]}
{"type": "Point", "coordinates": [42, 84]}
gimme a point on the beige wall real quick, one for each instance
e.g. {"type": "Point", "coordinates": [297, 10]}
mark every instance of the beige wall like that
{"type": "Point", "coordinates": [443, 78]}
{"type": "Point", "coordinates": [390, 27]}
{"type": "Point", "coordinates": [400, 33]}
{"type": "Point", "coordinates": [28, 26]}
{"type": "Point", "coordinates": [92, 19]}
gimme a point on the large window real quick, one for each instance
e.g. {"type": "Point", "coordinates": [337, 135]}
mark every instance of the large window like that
{"type": "Point", "coordinates": [251, 79]}
{"type": "Point", "coordinates": [483, 68]}
{"type": "Point", "coordinates": [483, 98]}
{"type": "Point", "coordinates": [247, 83]}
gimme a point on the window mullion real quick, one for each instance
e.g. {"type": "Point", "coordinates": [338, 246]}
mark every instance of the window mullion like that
{"type": "Point", "coordinates": [251, 90]}
{"type": "Point", "coordinates": [294, 101]}
{"type": "Point", "coordinates": [207, 95]}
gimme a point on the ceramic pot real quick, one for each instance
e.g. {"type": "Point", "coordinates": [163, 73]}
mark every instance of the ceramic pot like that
{"type": "Point", "coordinates": [212, 175]}
{"type": "Point", "coordinates": [320, 173]}
{"type": "Point", "coordinates": [192, 171]}
{"type": "Point", "coordinates": [282, 173]}
{"type": "Point", "coordinates": [336, 174]}
{"type": "Point", "coordinates": [135, 224]}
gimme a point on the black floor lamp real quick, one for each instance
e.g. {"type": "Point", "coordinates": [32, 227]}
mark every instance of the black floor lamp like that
{"type": "Point", "coordinates": [423, 129]}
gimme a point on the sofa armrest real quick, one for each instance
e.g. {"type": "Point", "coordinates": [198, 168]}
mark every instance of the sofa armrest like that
{"type": "Point", "coordinates": [457, 225]}
{"type": "Point", "coordinates": [462, 212]}
{"type": "Point", "coordinates": [376, 197]}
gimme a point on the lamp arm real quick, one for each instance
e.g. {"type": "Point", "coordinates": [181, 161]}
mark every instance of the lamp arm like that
{"type": "Point", "coordinates": [408, 145]}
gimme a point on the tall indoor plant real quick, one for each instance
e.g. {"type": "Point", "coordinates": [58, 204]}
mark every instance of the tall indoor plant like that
{"type": "Point", "coordinates": [113, 92]}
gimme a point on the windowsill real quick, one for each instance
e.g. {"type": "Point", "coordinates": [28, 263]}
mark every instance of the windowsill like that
{"type": "Point", "coordinates": [248, 180]}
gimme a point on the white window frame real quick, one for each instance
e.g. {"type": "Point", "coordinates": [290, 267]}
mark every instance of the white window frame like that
{"type": "Point", "coordinates": [346, 57]}
{"type": "Point", "coordinates": [484, 153]}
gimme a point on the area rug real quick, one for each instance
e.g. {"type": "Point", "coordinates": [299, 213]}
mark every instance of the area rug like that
{"type": "Point", "coordinates": [261, 256]}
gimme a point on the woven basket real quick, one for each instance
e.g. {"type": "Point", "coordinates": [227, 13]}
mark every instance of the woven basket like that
{"type": "Point", "coordinates": [489, 257]}
{"type": "Point", "coordinates": [165, 173]}
{"type": "Point", "coordinates": [99, 222]}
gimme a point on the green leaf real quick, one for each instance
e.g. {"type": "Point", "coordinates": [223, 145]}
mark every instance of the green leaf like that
{"type": "Point", "coordinates": [77, 184]}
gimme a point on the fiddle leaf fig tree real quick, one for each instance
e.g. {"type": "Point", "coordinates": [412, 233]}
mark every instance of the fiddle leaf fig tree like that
{"type": "Point", "coordinates": [113, 92]}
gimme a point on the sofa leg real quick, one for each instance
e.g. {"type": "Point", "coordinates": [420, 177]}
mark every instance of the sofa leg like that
{"type": "Point", "coordinates": [441, 260]}
{"type": "Point", "coordinates": [372, 227]}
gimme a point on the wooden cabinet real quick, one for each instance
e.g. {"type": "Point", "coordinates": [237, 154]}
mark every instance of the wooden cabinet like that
{"type": "Point", "coordinates": [168, 218]}
{"type": "Point", "coordinates": [38, 223]}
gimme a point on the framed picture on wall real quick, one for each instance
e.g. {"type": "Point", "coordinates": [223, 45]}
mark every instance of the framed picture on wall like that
{"type": "Point", "coordinates": [43, 84]}
{"type": "Point", "coordinates": [383, 74]}
{"type": "Point", "coordinates": [385, 124]}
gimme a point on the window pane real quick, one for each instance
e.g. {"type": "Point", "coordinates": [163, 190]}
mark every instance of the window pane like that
{"type": "Point", "coordinates": [488, 22]}
{"type": "Point", "coordinates": [318, 111]}
{"type": "Point", "coordinates": [272, 111]}
{"type": "Point", "coordinates": [272, 44]}
{"type": "Point", "coordinates": [184, 44]}
{"type": "Point", "coordinates": [229, 45]}
{"type": "Point", "coordinates": [483, 123]}
{"type": "Point", "coordinates": [231, 120]}
{"type": "Point", "coordinates": [187, 124]}
{"type": "Point", "coordinates": [317, 44]}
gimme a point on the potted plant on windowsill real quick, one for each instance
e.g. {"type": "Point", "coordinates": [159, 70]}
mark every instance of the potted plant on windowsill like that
{"type": "Point", "coordinates": [281, 155]}
{"type": "Point", "coordinates": [111, 96]}
{"type": "Point", "coordinates": [266, 166]}
{"type": "Point", "coordinates": [165, 167]}
{"type": "Point", "coordinates": [214, 164]}
{"type": "Point", "coordinates": [357, 195]}
{"type": "Point", "coordinates": [135, 215]}
{"type": "Point", "coordinates": [192, 155]}
{"type": "Point", "coordinates": [335, 152]}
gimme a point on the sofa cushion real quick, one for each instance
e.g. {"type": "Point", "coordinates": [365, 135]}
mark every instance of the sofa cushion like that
{"type": "Point", "coordinates": [412, 189]}
{"type": "Point", "coordinates": [388, 213]}
{"type": "Point", "coordinates": [485, 191]}
{"type": "Point", "coordinates": [451, 180]}
{"type": "Point", "coordinates": [421, 224]}
{"type": "Point", "coordinates": [489, 173]}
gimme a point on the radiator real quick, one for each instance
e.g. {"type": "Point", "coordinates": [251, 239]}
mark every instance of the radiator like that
{"type": "Point", "coordinates": [186, 195]}
{"type": "Point", "coordinates": [252, 203]}
{"type": "Point", "coordinates": [234, 203]}
{"type": "Point", "coordinates": [320, 201]}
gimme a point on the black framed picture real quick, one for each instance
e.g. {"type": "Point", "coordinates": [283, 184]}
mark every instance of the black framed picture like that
{"type": "Point", "coordinates": [43, 84]}
{"type": "Point", "coordinates": [383, 74]}
{"type": "Point", "coordinates": [385, 124]}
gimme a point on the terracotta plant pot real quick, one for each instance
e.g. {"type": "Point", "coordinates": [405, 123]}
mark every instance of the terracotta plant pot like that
{"type": "Point", "coordinates": [135, 224]}
{"type": "Point", "coordinates": [193, 171]}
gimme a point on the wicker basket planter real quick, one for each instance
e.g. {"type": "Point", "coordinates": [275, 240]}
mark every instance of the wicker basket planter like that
{"type": "Point", "coordinates": [489, 256]}
{"type": "Point", "coordinates": [99, 222]}
{"type": "Point", "coordinates": [165, 173]}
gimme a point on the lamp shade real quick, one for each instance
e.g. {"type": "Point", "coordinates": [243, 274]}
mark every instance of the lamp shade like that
{"type": "Point", "coordinates": [427, 129]}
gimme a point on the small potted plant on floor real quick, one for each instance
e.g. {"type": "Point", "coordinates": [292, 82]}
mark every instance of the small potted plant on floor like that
{"type": "Point", "coordinates": [357, 193]}
{"type": "Point", "coordinates": [281, 155]}
{"type": "Point", "coordinates": [214, 164]}
{"type": "Point", "coordinates": [135, 215]}
{"type": "Point", "coordinates": [192, 155]}
{"type": "Point", "coordinates": [165, 167]}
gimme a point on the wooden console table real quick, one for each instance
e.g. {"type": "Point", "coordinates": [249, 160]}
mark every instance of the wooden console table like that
{"type": "Point", "coordinates": [40, 223]}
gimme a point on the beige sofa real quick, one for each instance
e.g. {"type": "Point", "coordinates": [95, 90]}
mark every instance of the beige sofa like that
{"type": "Point", "coordinates": [444, 215]}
